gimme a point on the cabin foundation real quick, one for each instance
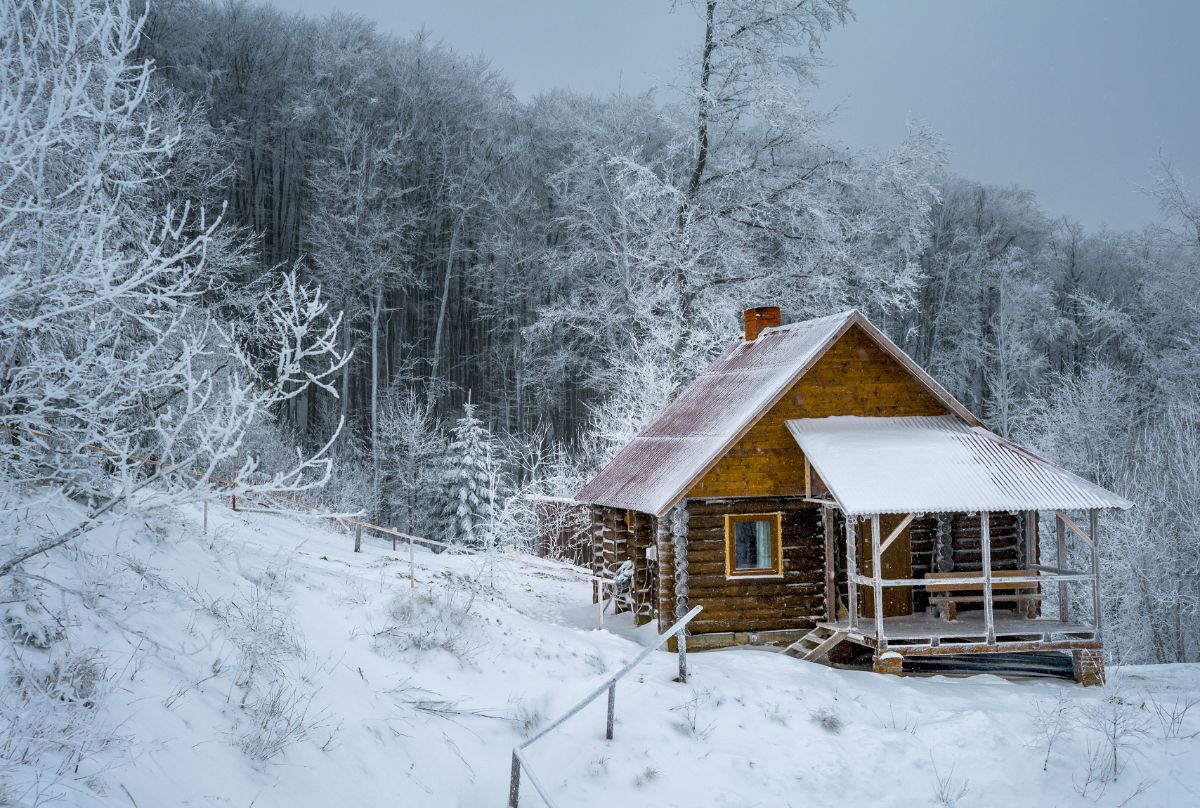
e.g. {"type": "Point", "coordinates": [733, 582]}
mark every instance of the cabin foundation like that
{"type": "Point", "coordinates": [1088, 666]}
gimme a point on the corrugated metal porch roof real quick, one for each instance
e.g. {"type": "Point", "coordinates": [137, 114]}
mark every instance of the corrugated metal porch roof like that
{"type": "Point", "coordinates": [936, 464]}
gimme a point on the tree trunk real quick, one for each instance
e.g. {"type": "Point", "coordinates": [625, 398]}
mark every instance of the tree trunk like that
{"type": "Point", "coordinates": [377, 484]}
{"type": "Point", "coordinates": [434, 388]}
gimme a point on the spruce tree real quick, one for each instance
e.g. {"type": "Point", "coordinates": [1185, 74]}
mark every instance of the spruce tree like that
{"type": "Point", "coordinates": [467, 491]}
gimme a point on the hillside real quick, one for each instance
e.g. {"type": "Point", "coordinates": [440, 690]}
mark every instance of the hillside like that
{"type": "Point", "coordinates": [267, 664]}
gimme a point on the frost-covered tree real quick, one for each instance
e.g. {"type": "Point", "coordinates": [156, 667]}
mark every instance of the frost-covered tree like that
{"type": "Point", "coordinates": [116, 384]}
{"type": "Point", "coordinates": [470, 483]}
{"type": "Point", "coordinates": [411, 444]}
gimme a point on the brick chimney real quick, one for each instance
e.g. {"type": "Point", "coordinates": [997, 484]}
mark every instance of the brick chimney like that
{"type": "Point", "coordinates": [755, 320]}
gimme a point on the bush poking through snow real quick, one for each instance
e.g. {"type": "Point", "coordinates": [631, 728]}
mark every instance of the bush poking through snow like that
{"type": "Point", "coordinates": [647, 776]}
{"type": "Point", "coordinates": [691, 724]}
{"type": "Point", "coordinates": [1171, 717]}
{"type": "Point", "coordinates": [1051, 721]}
{"type": "Point", "coordinates": [529, 716]}
{"type": "Point", "coordinates": [1121, 725]}
{"type": "Point", "coordinates": [28, 620]}
{"type": "Point", "coordinates": [49, 720]}
{"type": "Point", "coordinates": [275, 720]}
{"type": "Point", "coordinates": [827, 719]}
{"type": "Point", "coordinates": [948, 790]}
{"type": "Point", "coordinates": [429, 619]}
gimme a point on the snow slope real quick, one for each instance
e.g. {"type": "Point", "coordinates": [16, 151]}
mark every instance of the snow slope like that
{"type": "Point", "coordinates": [215, 646]}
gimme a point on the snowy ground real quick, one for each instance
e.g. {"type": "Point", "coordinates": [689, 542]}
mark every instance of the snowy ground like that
{"type": "Point", "coordinates": [265, 664]}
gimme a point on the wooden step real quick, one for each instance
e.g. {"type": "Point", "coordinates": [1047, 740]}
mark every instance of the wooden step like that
{"type": "Point", "coordinates": [808, 642]}
{"type": "Point", "coordinates": [835, 639]}
{"type": "Point", "coordinates": [816, 644]}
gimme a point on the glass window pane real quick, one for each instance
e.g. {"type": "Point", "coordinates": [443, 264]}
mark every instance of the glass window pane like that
{"type": "Point", "coordinates": [752, 545]}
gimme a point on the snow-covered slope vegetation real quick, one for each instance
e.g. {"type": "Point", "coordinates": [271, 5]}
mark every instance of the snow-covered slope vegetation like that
{"type": "Point", "coordinates": [264, 663]}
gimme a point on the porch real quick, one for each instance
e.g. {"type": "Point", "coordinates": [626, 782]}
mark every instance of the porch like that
{"type": "Point", "coordinates": [878, 478]}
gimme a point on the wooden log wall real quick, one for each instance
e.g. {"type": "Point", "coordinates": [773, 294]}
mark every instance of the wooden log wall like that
{"type": "Point", "coordinates": [854, 377]}
{"type": "Point", "coordinates": [792, 602]}
{"type": "Point", "coordinates": [665, 574]}
{"type": "Point", "coordinates": [641, 539]}
{"type": "Point", "coordinates": [618, 536]}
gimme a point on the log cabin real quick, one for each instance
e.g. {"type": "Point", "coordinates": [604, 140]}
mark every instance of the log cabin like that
{"type": "Point", "coordinates": [816, 490]}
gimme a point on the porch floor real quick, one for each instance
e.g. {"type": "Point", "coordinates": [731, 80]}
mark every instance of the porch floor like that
{"type": "Point", "coordinates": [927, 633]}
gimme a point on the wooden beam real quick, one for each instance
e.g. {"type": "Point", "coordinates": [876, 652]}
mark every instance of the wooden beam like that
{"type": "Point", "coordinates": [807, 478]}
{"type": "Point", "coordinates": [1076, 528]}
{"type": "Point", "coordinates": [985, 544]}
{"type": "Point", "coordinates": [895, 534]}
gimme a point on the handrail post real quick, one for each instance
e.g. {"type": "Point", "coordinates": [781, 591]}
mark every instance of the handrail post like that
{"type": "Point", "coordinates": [412, 565]}
{"type": "Point", "coordinates": [681, 644]}
{"type": "Point", "coordinates": [514, 783]}
{"type": "Point", "coordinates": [612, 710]}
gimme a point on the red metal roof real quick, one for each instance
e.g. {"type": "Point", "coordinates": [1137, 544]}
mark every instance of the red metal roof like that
{"type": "Point", "coordinates": [655, 469]}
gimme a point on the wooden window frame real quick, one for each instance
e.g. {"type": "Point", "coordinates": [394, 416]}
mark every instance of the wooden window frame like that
{"type": "Point", "coordinates": [774, 571]}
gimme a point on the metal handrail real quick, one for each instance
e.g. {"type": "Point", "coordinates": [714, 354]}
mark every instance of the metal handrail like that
{"type": "Point", "coordinates": [609, 684]}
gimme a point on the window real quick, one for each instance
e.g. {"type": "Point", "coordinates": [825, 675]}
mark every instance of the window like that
{"type": "Point", "coordinates": [752, 545]}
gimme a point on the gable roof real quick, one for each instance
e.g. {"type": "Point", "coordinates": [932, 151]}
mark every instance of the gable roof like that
{"type": "Point", "coordinates": [654, 470]}
{"type": "Point", "coordinates": [936, 464]}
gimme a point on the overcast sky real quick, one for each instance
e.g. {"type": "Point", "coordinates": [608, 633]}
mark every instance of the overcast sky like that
{"type": "Point", "coordinates": [1073, 98]}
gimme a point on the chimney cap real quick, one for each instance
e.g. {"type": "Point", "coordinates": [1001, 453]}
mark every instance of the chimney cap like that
{"type": "Point", "coordinates": [754, 320]}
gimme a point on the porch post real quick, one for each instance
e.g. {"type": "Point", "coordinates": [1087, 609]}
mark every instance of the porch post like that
{"type": "Point", "coordinates": [1064, 600]}
{"type": "Point", "coordinates": [852, 571]}
{"type": "Point", "coordinates": [877, 584]}
{"type": "Point", "coordinates": [830, 580]}
{"type": "Point", "coordinates": [1098, 615]}
{"type": "Point", "coordinates": [985, 543]}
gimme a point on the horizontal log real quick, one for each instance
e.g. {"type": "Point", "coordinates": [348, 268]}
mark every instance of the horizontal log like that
{"type": "Point", "coordinates": [760, 624]}
{"type": "Point", "coordinates": [741, 590]}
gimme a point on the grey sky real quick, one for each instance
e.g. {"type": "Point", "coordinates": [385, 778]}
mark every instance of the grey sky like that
{"type": "Point", "coordinates": [1073, 98]}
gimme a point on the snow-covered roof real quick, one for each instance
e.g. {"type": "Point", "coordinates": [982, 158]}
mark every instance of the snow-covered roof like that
{"type": "Point", "coordinates": [936, 464]}
{"type": "Point", "coordinates": [695, 430]}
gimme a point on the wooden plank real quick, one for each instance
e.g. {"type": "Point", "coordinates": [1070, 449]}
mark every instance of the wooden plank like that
{"type": "Point", "coordinates": [1076, 529]}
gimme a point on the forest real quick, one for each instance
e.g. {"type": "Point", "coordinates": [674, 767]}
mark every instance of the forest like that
{"type": "Point", "coordinates": [510, 288]}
